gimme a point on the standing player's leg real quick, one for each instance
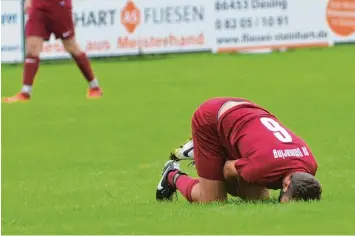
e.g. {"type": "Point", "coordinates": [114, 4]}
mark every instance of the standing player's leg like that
{"type": "Point", "coordinates": [34, 46]}
{"type": "Point", "coordinates": [63, 28]}
{"type": "Point", "coordinates": [84, 65]}
{"type": "Point", "coordinates": [36, 32]}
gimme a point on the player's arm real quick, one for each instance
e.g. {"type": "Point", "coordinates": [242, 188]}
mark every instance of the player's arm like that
{"type": "Point", "coordinates": [229, 170]}
{"type": "Point", "coordinates": [27, 5]}
{"type": "Point", "coordinates": [242, 189]}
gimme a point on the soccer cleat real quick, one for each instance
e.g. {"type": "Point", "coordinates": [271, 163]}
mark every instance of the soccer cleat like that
{"type": "Point", "coordinates": [20, 97]}
{"type": "Point", "coordinates": [95, 92]}
{"type": "Point", "coordinates": [184, 152]}
{"type": "Point", "coordinates": [165, 191]}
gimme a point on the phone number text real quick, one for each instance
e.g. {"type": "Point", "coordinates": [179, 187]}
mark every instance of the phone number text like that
{"type": "Point", "coordinates": [232, 23]}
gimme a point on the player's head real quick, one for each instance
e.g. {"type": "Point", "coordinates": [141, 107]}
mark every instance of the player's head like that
{"type": "Point", "coordinates": [300, 186]}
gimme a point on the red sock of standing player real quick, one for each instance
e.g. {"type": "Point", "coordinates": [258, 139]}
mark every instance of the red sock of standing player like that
{"type": "Point", "coordinates": [183, 183]}
{"type": "Point", "coordinates": [29, 72]}
{"type": "Point", "coordinates": [84, 65]}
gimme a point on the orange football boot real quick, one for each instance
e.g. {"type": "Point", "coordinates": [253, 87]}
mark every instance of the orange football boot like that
{"type": "Point", "coordinates": [20, 97]}
{"type": "Point", "coordinates": [95, 93]}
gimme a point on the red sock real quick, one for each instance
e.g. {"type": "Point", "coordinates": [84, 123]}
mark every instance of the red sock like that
{"type": "Point", "coordinates": [30, 69]}
{"type": "Point", "coordinates": [84, 65]}
{"type": "Point", "coordinates": [184, 184]}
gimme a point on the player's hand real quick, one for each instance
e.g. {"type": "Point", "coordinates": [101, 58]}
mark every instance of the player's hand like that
{"type": "Point", "coordinates": [229, 170]}
{"type": "Point", "coordinates": [27, 5]}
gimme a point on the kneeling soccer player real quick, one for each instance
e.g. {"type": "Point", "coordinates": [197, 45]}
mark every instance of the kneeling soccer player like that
{"type": "Point", "coordinates": [233, 138]}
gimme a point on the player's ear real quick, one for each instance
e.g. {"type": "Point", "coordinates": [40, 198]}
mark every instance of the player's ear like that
{"type": "Point", "coordinates": [286, 183]}
{"type": "Point", "coordinates": [285, 190]}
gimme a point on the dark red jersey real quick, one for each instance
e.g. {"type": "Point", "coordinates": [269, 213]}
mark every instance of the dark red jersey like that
{"type": "Point", "coordinates": [266, 151]}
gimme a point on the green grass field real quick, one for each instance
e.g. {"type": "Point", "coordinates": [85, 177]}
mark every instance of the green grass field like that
{"type": "Point", "coordinates": [73, 166]}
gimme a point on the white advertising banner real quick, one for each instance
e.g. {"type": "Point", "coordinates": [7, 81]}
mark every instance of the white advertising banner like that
{"type": "Point", "coordinates": [11, 31]}
{"type": "Point", "coordinates": [242, 25]}
{"type": "Point", "coordinates": [340, 16]}
{"type": "Point", "coordinates": [111, 27]}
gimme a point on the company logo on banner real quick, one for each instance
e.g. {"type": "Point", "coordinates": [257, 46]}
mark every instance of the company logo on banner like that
{"type": "Point", "coordinates": [247, 25]}
{"type": "Point", "coordinates": [340, 16]}
{"type": "Point", "coordinates": [164, 25]}
{"type": "Point", "coordinates": [130, 17]}
{"type": "Point", "coordinates": [11, 32]}
{"type": "Point", "coordinates": [110, 27]}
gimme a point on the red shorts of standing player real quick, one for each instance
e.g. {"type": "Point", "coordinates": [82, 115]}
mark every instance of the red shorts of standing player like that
{"type": "Point", "coordinates": [236, 142]}
{"type": "Point", "coordinates": [46, 17]}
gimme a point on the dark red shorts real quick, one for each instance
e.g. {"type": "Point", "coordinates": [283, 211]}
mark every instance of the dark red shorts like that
{"type": "Point", "coordinates": [209, 152]}
{"type": "Point", "coordinates": [57, 20]}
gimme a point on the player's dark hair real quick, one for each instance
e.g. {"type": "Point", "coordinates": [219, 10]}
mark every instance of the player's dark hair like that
{"type": "Point", "coordinates": [305, 187]}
